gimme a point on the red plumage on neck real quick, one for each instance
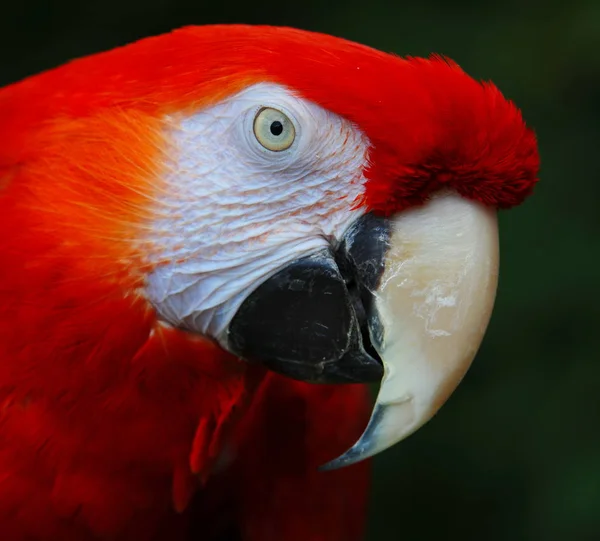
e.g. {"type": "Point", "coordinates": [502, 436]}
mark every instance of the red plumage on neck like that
{"type": "Point", "coordinates": [100, 407]}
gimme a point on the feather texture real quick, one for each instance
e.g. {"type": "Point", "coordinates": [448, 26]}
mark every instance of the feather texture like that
{"type": "Point", "coordinates": [113, 426]}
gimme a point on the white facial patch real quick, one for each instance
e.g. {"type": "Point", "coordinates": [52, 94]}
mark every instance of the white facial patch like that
{"type": "Point", "coordinates": [234, 212]}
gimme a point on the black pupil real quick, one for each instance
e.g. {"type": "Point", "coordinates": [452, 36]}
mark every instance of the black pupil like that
{"type": "Point", "coordinates": [276, 127]}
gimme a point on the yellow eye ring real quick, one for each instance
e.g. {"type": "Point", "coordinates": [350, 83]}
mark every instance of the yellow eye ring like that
{"type": "Point", "coordinates": [274, 130]}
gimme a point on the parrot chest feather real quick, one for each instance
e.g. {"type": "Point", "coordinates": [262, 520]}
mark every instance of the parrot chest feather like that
{"type": "Point", "coordinates": [122, 463]}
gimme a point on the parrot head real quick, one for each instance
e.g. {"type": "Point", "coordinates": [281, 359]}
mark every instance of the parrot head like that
{"type": "Point", "coordinates": [305, 202]}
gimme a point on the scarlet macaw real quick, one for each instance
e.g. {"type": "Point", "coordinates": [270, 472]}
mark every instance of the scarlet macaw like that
{"type": "Point", "coordinates": [199, 227]}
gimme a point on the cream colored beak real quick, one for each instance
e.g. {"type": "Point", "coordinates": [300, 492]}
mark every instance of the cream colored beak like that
{"type": "Point", "coordinates": [433, 304]}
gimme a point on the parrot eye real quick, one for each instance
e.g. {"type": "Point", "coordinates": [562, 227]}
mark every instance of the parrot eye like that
{"type": "Point", "coordinates": [274, 130]}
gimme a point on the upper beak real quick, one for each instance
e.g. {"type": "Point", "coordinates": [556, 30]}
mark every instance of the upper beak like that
{"type": "Point", "coordinates": [407, 297]}
{"type": "Point", "coordinates": [431, 309]}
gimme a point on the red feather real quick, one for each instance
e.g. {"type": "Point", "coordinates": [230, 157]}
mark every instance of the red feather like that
{"type": "Point", "coordinates": [109, 422]}
{"type": "Point", "coordinates": [430, 124]}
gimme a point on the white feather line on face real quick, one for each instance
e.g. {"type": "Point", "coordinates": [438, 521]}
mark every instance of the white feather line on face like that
{"type": "Point", "coordinates": [236, 212]}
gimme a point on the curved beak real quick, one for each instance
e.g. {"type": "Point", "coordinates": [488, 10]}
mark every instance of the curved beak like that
{"type": "Point", "coordinates": [430, 309]}
{"type": "Point", "coordinates": [403, 300]}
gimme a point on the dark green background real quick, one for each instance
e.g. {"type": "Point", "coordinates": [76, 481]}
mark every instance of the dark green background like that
{"type": "Point", "coordinates": [515, 454]}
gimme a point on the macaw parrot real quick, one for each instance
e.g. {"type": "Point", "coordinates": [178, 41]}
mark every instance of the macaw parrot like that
{"type": "Point", "coordinates": [213, 240]}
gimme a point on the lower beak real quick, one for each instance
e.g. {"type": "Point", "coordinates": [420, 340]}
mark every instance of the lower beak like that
{"type": "Point", "coordinates": [431, 308]}
{"type": "Point", "coordinates": [405, 300]}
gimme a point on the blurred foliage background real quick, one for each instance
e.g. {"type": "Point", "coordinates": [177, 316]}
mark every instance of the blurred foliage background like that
{"type": "Point", "coordinates": [515, 454]}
